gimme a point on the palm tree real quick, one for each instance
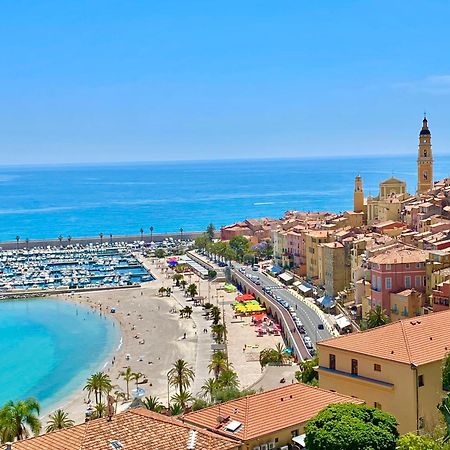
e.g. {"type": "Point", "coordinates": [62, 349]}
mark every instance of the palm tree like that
{"type": "Point", "coordinates": [162, 291]}
{"type": "Point", "coordinates": [376, 317]}
{"type": "Point", "coordinates": [119, 395]}
{"type": "Point", "coordinates": [60, 238]}
{"type": "Point", "coordinates": [169, 292]}
{"type": "Point", "coordinates": [153, 404]}
{"type": "Point", "coordinates": [218, 363]}
{"type": "Point", "coordinates": [219, 332]}
{"type": "Point", "coordinates": [228, 379]}
{"type": "Point", "coordinates": [99, 410]}
{"type": "Point", "coordinates": [127, 375]}
{"type": "Point", "coordinates": [137, 376]}
{"type": "Point", "coordinates": [215, 312]}
{"type": "Point", "coordinates": [275, 355]}
{"type": "Point", "coordinates": [182, 398]}
{"type": "Point", "coordinates": [110, 238]}
{"type": "Point", "coordinates": [142, 234]}
{"type": "Point", "coordinates": [188, 311]}
{"type": "Point", "coordinates": [69, 239]}
{"type": "Point", "coordinates": [192, 290]}
{"type": "Point", "coordinates": [176, 409]}
{"type": "Point", "coordinates": [99, 383]}
{"type": "Point", "coordinates": [177, 278]}
{"type": "Point", "coordinates": [18, 417]}
{"type": "Point", "coordinates": [101, 238]}
{"type": "Point", "coordinates": [181, 233]}
{"type": "Point", "coordinates": [183, 284]}
{"type": "Point", "coordinates": [151, 234]}
{"type": "Point", "coordinates": [17, 240]}
{"type": "Point", "coordinates": [209, 389]}
{"type": "Point", "coordinates": [58, 420]}
{"type": "Point", "coordinates": [181, 375]}
{"type": "Point", "coordinates": [27, 241]}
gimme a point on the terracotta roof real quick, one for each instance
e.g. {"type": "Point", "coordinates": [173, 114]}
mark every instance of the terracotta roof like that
{"type": "Point", "coordinates": [137, 429]}
{"type": "Point", "coordinates": [267, 412]}
{"type": "Point", "coordinates": [400, 256]}
{"type": "Point", "coordinates": [420, 340]}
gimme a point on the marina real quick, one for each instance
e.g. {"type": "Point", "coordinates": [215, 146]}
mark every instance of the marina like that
{"type": "Point", "coordinates": [80, 267]}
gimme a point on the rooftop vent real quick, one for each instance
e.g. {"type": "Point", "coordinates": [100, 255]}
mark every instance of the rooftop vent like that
{"type": "Point", "coordinates": [233, 426]}
{"type": "Point", "coordinates": [117, 445]}
{"type": "Point", "coordinates": [192, 440]}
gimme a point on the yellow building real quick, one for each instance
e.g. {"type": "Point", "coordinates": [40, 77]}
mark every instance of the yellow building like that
{"type": "Point", "coordinates": [407, 303]}
{"type": "Point", "coordinates": [424, 160]}
{"type": "Point", "coordinates": [387, 205]}
{"type": "Point", "coordinates": [358, 195]}
{"type": "Point", "coordinates": [268, 420]}
{"type": "Point", "coordinates": [437, 260]}
{"type": "Point", "coordinates": [396, 368]}
{"type": "Point", "coordinates": [313, 239]}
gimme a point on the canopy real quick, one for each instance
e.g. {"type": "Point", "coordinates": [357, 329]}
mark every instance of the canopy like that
{"type": "Point", "coordinates": [342, 322]}
{"type": "Point", "coordinates": [276, 269]}
{"type": "Point", "coordinates": [305, 288]}
{"type": "Point", "coordinates": [300, 440]}
{"type": "Point", "coordinates": [285, 277]}
{"type": "Point", "coordinates": [245, 297]}
{"type": "Point", "coordinates": [326, 301]}
{"type": "Point", "coordinates": [259, 317]}
{"type": "Point", "coordinates": [172, 263]}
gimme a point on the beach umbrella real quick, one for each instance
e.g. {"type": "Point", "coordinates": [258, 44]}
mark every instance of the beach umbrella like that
{"type": "Point", "coordinates": [138, 392]}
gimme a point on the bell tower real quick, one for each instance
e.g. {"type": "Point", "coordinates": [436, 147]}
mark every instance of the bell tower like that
{"type": "Point", "coordinates": [424, 159]}
{"type": "Point", "coordinates": [358, 195]}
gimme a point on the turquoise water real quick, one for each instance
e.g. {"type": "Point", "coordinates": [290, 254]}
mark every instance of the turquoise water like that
{"type": "Point", "coordinates": [44, 202]}
{"type": "Point", "coordinates": [48, 348]}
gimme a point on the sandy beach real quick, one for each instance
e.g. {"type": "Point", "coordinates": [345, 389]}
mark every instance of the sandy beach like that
{"type": "Point", "coordinates": [154, 336]}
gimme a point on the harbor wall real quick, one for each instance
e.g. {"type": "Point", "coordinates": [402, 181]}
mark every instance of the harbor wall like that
{"type": "Point", "coordinates": [128, 238]}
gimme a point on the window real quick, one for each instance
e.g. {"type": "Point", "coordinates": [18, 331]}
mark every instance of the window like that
{"type": "Point", "coordinates": [294, 433]}
{"type": "Point", "coordinates": [377, 405]}
{"type": "Point", "coordinates": [418, 281]}
{"type": "Point", "coordinates": [417, 265]}
{"type": "Point", "coordinates": [388, 283]}
{"type": "Point", "coordinates": [421, 381]}
{"type": "Point", "coordinates": [377, 367]}
{"type": "Point", "coordinates": [407, 266]}
{"type": "Point", "coordinates": [408, 282]}
{"type": "Point", "coordinates": [378, 283]}
{"type": "Point", "coordinates": [332, 361]}
{"type": "Point", "coordinates": [354, 367]}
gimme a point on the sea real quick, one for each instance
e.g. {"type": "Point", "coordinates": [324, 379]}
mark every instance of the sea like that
{"type": "Point", "coordinates": [86, 200]}
{"type": "Point", "coordinates": [49, 348]}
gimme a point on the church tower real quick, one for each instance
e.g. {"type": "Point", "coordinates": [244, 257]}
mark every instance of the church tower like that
{"type": "Point", "coordinates": [358, 195]}
{"type": "Point", "coordinates": [424, 160]}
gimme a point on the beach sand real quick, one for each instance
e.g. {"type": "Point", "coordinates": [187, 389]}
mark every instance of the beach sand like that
{"type": "Point", "coordinates": [143, 315]}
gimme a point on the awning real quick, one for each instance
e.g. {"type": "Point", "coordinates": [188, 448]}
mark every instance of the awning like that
{"type": "Point", "coordinates": [276, 269]}
{"type": "Point", "coordinates": [305, 289]}
{"type": "Point", "coordinates": [285, 277]}
{"type": "Point", "coordinates": [342, 322]}
{"type": "Point", "coordinates": [300, 440]}
{"type": "Point", "coordinates": [326, 301]}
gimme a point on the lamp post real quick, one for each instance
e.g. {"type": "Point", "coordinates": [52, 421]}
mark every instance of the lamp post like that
{"type": "Point", "coordinates": [168, 393]}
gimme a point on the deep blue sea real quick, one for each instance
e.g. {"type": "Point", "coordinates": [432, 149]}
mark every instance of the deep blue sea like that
{"type": "Point", "coordinates": [48, 348]}
{"type": "Point", "coordinates": [45, 202]}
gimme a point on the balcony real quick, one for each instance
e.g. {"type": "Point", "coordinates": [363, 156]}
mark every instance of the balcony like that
{"type": "Point", "coordinates": [353, 377]}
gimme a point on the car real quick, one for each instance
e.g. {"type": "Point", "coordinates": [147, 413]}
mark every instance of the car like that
{"type": "Point", "coordinates": [320, 326]}
{"type": "Point", "coordinates": [291, 309]}
{"type": "Point", "coordinates": [255, 267]}
{"type": "Point", "coordinates": [257, 282]}
{"type": "Point", "coordinates": [242, 269]}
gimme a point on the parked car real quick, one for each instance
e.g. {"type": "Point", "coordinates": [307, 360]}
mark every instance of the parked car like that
{"type": "Point", "coordinates": [320, 326]}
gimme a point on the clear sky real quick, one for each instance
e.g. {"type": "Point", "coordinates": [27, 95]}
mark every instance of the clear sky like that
{"type": "Point", "coordinates": [92, 81]}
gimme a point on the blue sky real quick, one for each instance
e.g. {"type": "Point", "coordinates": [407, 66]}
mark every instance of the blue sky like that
{"type": "Point", "coordinates": [92, 81]}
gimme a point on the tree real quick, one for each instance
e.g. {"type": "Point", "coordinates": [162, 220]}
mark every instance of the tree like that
{"type": "Point", "coordinates": [240, 245]}
{"type": "Point", "coordinates": [210, 386]}
{"type": "Point", "coordinates": [168, 292]}
{"type": "Point", "coordinates": [101, 238]}
{"type": "Point", "coordinates": [137, 376]}
{"type": "Point", "coordinates": [215, 313]}
{"type": "Point", "coordinates": [444, 408]}
{"type": "Point", "coordinates": [192, 290]}
{"type": "Point", "coordinates": [202, 241]}
{"type": "Point", "coordinates": [275, 355]}
{"type": "Point", "coordinates": [160, 253]}
{"type": "Point", "coordinates": [412, 441]}
{"type": "Point", "coordinates": [58, 420]}
{"type": "Point", "coordinates": [198, 404]}
{"type": "Point", "coordinates": [181, 375]}
{"type": "Point", "coordinates": [218, 363]}
{"type": "Point", "coordinates": [128, 376]}
{"type": "Point", "coordinates": [151, 234]}
{"type": "Point", "coordinates": [153, 404]}
{"type": "Point", "coordinates": [100, 410]}
{"type": "Point", "coordinates": [228, 379]}
{"type": "Point", "coordinates": [219, 332]}
{"type": "Point", "coordinates": [183, 284]}
{"type": "Point", "coordinates": [376, 317]}
{"type": "Point", "coordinates": [99, 383]}
{"type": "Point", "coordinates": [446, 373]}
{"type": "Point", "coordinates": [17, 242]}
{"type": "Point", "coordinates": [210, 231]}
{"type": "Point", "coordinates": [162, 291]}
{"type": "Point", "coordinates": [177, 278]}
{"type": "Point", "coordinates": [307, 373]}
{"type": "Point", "coordinates": [347, 426]}
{"type": "Point", "coordinates": [18, 417]}
{"type": "Point", "coordinates": [188, 311]}
{"type": "Point", "coordinates": [182, 398]}
{"type": "Point", "coordinates": [60, 238]}
{"type": "Point", "coordinates": [142, 234]}
{"type": "Point", "coordinates": [176, 409]}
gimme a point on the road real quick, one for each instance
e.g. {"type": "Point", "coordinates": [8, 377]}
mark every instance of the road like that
{"type": "Point", "coordinates": [308, 316]}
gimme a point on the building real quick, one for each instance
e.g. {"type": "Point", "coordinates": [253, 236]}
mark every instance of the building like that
{"type": "Point", "coordinates": [441, 296]}
{"type": "Point", "coordinates": [135, 429]}
{"type": "Point", "coordinates": [336, 274]}
{"type": "Point", "coordinates": [313, 239]}
{"type": "Point", "coordinates": [396, 367]}
{"type": "Point", "coordinates": [358, 195]}
{"type": "Point", "coordinates": [387, 205]}
{"type": "Point", "coordinates": [269, 419]}
{"type": "Point", "coordinates": [424, 160]}
{"type": "Point", "coordinates": [395, 270]}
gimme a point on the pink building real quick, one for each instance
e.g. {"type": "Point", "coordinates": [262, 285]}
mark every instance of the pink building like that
{"type": "Point", "coordinates": [441, 297]}
{"type": "Point", "coordinates": [394, 271]}
{"type": "Point", "coordinates": [296, 249]}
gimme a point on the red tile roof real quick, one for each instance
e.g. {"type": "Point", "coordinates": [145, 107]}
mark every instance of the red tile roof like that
{"type": "Point", "coordinates": [267, 412]}
{"type": "Point", "coordinates": [137, 429]}
{"type": "Point", "coordinates": [420, 340]}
